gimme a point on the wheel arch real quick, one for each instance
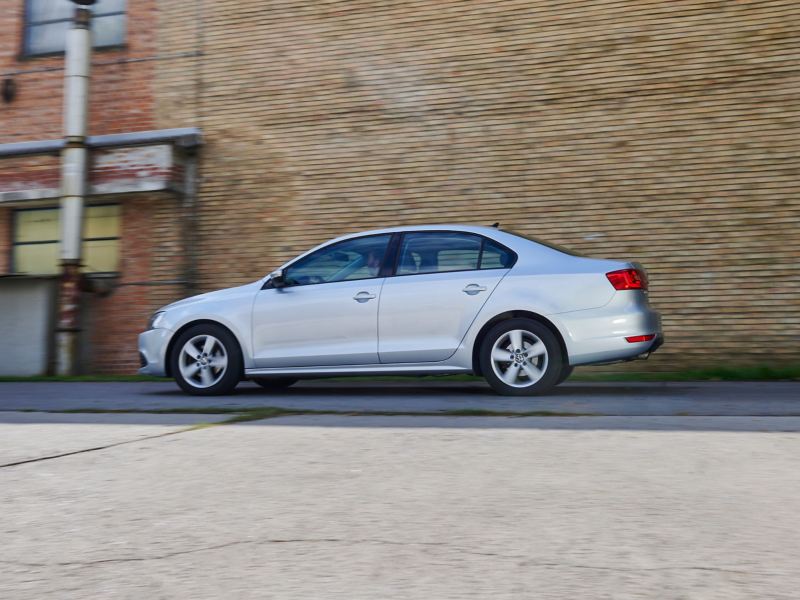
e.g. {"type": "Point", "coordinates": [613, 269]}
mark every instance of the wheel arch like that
{"type": "Point", "coordinates": [514, 314]}
{"type": "Point", "coordinates": [184, 327]}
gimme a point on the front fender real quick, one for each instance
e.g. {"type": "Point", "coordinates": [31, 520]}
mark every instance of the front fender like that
{"type": "Point", "coordinates": [232, 313]}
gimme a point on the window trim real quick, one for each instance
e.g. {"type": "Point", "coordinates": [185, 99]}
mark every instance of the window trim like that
{"type": "Point", "coordinates": [14, 243]}
{"type": "Point", "coordinates": [392, 257]}
{"type": "Point", "coordinates": [25, 52]}
{"type": "Point", "coordinates": [483, 239]}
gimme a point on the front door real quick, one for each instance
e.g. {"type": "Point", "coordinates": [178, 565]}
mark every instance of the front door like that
{"type": "Point", "coordinates": [327, 315]}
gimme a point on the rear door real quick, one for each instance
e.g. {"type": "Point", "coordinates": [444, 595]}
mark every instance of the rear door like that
{"type": "Point", "coordinates": [437, 291]}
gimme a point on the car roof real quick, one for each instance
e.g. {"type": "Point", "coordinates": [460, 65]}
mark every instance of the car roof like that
{"type": "Point", "coordinates": [481, 230]}
{"type": "Point", "coordinates": [512, 241]}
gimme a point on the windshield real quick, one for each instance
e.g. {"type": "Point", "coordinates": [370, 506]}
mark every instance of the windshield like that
{"type": "Point", "coordinates": [544, 243]}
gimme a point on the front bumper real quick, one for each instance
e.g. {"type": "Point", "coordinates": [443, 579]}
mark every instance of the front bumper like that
{"type": "Point", "coordinates": [153, 351]}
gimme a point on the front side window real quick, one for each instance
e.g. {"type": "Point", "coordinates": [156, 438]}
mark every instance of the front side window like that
{"type": "Point", "coordinates": [360, 258]}
{"type": "Point", "coordinates": [47, 22]}
{"type": "Point", "coordinates": [36, 240]}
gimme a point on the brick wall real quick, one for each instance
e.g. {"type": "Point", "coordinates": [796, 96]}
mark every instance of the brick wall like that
{"type": "Point", "coordinates": [30, 175]}
{"type": "Point", "coordinates": [122, 80]}
{"type": "Point", "coordinates": [151, 266]}
{"type": "Point", "coordinates": [665, 132]}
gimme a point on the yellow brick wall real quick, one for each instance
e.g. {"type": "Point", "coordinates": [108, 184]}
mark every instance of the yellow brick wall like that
{"type": "Point", "coordinates": [665, 132]}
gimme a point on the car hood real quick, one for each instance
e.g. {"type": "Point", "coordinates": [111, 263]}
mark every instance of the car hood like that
{"type": "Point", "coordinates": [215, 295]}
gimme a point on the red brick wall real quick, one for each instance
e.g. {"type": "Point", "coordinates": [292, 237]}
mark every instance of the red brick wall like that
{"type": "Point", "coordinates": [150, 252]}
{"type": "Point", "coordinates": [29, 173]}
{"type": "Point", "coordinates": [122, 80]}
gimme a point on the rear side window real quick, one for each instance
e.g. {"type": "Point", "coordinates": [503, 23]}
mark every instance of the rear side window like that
{"type": "Point", "coordinates": [495, 256]}
{"type": "Point", "coordinates": [438, 252]}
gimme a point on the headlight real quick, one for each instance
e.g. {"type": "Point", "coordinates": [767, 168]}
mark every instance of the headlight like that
{"type": "Point", "coordinates": [156, 319]}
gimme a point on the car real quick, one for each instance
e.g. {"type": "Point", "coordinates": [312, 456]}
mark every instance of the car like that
{"type": "Point", "coordinates": [423, 300]}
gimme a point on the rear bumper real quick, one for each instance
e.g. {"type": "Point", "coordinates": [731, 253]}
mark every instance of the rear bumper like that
{"type": "Point", "coordinates": [597, 336]}
{"type": "Point", "coordinates": [153, 350]}
{"type": "Point", "coordinates": [657, 343]}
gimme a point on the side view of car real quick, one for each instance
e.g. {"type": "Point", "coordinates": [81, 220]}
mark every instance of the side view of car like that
{"type": "Point", "coordinates": [437, 299]}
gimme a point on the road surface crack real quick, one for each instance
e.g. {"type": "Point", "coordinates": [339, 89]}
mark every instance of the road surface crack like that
{"type": "Point", "coordinates": [93, 449]}
{"type": "Point", "coordinates": [448, 546]}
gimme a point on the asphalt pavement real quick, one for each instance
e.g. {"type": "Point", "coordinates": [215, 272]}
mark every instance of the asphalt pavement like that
{"type": "Point", "coordinates": [625, 399]}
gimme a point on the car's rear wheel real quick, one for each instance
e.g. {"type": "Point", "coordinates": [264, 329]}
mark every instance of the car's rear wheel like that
{"type": "Point", "coordinates": [206, 360]}
{"type": "Point", "coordinates": [275, 383]}
{"type": "Point", "coordinates": [521, 357]}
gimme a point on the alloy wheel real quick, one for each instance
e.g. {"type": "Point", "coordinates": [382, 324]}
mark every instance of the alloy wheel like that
{"type": "Point", "coordinates": [203, 361]}
{"type": "Point", "coordinates": [519, 358]}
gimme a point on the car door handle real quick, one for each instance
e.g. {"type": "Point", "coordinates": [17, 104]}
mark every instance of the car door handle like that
{"type": "Point", "coordinates": [474, 288]}
{"type": "Point", "coordinates": [363, 297]}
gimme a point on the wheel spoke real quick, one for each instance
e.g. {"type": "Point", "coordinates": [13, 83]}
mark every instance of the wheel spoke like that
{"type": "Point", "coordinates": [189, 370]}
{"type": "Point", "coordinates": [536, 349]}
{"type": "Point", "coordinates": [218, 362]}
{"type": "Point", "coordinates": [516, 339]}
{"type": "Point", "coordinates": [191, 350]}
{"type": "Point", "coordinates": [209, 345]}
{"type": "Point", "coordinates": [533, 373]}
{"type": "Point", "coordinates": [206, 377]}
{"type": "Point", "coordinates": [511, 374]}
{"type": "Point", "coordinates": [500, 355]}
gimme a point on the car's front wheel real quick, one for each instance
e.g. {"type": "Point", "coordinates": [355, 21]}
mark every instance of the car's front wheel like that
{"type": "Point", "coordinates": [206, 360]}
{"type": "Point", "coordinates": [521, 357]}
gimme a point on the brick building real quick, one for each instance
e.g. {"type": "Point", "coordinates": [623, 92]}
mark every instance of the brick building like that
{"type": "Point", "coordinates": [665, 132]}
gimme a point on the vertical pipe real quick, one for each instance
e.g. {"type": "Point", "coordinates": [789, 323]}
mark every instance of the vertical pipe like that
{"type": "Point", "coordinates": [73, 185]}
{"type": "Point", "coordinates": [190, 219]}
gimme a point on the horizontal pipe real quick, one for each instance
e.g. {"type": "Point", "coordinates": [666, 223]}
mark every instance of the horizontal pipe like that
{"type": "Point", "coordinates": [186, 137]}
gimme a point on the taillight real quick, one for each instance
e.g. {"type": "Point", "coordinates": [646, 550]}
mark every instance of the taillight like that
{"type": "Point", "coordinates": [640, 338]}
{"type": "Point", "coordinates": [628, 279]}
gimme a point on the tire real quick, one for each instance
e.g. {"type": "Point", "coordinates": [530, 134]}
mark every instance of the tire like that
{"type": "Point", "coordinates": [206, 360]}
{"type": "Point", "coordinates": [566, 371]}
{"type": "Point", "coordinates": [521, 375]}
{"type": "Point", "coordinates": [274, 383]}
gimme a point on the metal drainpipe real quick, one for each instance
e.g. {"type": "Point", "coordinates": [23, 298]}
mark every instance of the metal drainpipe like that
{"type": "Point", "coordinates": [190, 220]}
{"type": "Point", "coordinates": [74, 159]}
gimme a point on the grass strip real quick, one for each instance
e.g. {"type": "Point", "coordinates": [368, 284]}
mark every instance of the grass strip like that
{"type": "Point", "coordinates": [241, 415]}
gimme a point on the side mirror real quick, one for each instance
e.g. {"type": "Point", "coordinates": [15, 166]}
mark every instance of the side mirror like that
{"type": "Point", "coordinates": [277, 279]}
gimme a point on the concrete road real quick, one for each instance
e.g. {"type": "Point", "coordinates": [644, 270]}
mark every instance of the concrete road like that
{"type": "Point", "coordinates": [402, 507]}
{"type": "Point", "coordinates": [668, 399]}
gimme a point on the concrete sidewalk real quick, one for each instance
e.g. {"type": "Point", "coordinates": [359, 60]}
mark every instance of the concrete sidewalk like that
{"type": "Point", "coordinates": [418, 508]}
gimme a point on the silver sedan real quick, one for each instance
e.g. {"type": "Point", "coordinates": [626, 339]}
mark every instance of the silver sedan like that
{"type": "Point", "coordinates": [410, 301]}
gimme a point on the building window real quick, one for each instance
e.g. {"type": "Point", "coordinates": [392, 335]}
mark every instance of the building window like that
{"type": "Point", "coordinates": [36, 233]}
{"type": "Point", "coordinates": [47, 22]}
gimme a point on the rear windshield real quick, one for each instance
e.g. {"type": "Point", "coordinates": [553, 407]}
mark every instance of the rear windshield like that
{"type": "Point", "coordinates": [544, 243]}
